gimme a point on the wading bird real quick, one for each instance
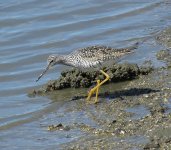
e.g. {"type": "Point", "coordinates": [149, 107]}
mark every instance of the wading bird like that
{"type": "Point", "coordinates": [89, 57]}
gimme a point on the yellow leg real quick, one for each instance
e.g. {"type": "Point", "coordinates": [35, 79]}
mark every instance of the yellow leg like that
{"type": "Point", "coordinates": [97, 92]}
{"type": "Point", "coordinates": [96, 88]}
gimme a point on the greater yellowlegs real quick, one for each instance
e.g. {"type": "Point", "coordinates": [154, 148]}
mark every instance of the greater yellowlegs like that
{"type": "Point", "coordinates": [89, 57]}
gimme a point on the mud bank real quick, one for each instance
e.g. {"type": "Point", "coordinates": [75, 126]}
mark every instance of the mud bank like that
{"type": "Point", "coordinates": [79, 79]}
{"type": "Point", "coordinates": [165, 39]}
{"type": "Point", "coordinates": [138, 117]}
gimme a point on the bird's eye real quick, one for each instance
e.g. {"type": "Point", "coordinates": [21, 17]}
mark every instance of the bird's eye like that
{"type": "Point", "coordinates": [50, 61]}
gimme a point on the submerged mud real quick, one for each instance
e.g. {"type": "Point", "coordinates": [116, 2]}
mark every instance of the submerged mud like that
{"type": "Point", "coordinates": [79, 79]}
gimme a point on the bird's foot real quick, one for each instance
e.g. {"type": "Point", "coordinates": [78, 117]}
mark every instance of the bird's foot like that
{"type": "Point", "coordinates": [96, 88]}
{"type": "Point", "coordinates": [92, 91]}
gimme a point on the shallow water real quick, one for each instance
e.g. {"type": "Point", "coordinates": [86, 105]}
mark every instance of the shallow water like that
{"type": "Point", "coordinates": [30, 30]}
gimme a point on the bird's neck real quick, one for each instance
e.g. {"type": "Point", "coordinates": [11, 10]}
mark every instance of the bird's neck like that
{"type": "Point", "coordinates": [61, 59]}
{"type": "Point", "coordinates": [66, 60]}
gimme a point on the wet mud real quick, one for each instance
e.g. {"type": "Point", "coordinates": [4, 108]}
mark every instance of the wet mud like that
{"type": "Point", "coordinates": [79, 79]}
{"type": "Point", "coordinates": [138, 116]}
{"type": "Point", "coordinates": [135, 116]}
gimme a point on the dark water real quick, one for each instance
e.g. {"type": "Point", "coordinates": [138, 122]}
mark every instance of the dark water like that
{"type": "Point", "coordinates": [30, 30]}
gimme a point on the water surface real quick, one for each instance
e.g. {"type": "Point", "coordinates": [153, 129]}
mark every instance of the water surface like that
{"type": "Point", "coordinates": [30, 30]}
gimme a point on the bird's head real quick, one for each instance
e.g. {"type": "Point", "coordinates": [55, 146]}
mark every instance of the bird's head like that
{"type": "Point", "coordinates": [51, 61]}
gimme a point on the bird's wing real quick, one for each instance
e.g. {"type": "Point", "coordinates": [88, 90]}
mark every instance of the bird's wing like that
{"type": "Point", "coordinates": [98, 53]}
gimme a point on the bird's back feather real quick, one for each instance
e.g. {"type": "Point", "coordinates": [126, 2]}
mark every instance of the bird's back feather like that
{"type": "Point", "coordinates": [94, 55]}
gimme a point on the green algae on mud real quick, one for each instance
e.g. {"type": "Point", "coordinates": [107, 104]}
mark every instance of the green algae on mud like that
{"type": "Point", "coordinates": [79, 79]}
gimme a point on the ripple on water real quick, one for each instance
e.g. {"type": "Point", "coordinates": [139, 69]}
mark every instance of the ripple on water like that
{"type": "Point", "coordinates": [30, 30]}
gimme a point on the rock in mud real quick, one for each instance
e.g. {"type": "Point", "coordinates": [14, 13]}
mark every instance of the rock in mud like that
{"type": "Point", "coordinates": [58, 127]}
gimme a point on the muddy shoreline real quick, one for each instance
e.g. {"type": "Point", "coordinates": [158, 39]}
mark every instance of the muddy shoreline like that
{"type": "Point", "coordinates": [123, 125]}
{"type": "Point", "coordinates": [75, 78]}
{"type": "Point", "coordinates": [153, 129]}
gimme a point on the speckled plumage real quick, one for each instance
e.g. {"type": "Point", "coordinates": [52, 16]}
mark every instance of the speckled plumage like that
{"type": "Point", "coordinates": [88, 57]}
{"type": "Point", "coordinates": [94, 55]}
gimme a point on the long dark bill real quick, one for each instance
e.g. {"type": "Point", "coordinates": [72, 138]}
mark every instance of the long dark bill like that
{"type": "Point", "coordinates": [47, 68]}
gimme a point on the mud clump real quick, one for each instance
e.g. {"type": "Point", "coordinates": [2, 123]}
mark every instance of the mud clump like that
{"type": "Point", "coordinates": [79, 79]}
{"type": "Point", "coordinates": [165, 37]}
{"type": "Point", "coordinates": [58, 127]}
{"type": "Point", "coordinates": [164, 55]}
